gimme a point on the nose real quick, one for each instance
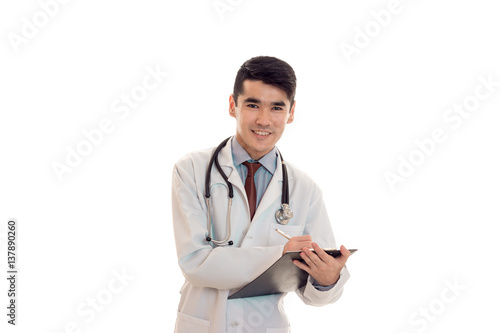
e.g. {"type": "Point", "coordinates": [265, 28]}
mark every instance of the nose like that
{"type": "Point", "coordinates": [264, 118]}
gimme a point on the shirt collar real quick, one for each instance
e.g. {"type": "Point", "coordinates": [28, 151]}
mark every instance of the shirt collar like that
{"type": "Point", "coordinates": [240, 155]}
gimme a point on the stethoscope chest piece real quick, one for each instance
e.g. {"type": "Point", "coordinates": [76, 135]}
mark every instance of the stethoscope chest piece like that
{"type": "Point", "coordinates": [284, 214]}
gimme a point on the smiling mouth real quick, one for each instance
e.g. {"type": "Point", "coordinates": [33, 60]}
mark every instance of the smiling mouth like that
{"type": "Point", "coordinates": [262, 133]}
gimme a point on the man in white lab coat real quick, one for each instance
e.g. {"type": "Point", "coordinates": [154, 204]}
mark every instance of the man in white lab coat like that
{"type": "Point", "coordinates": [262, 103]}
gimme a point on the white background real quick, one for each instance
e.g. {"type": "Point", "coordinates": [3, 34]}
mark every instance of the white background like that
{"type": "Point", "coordinates": [354, 120]}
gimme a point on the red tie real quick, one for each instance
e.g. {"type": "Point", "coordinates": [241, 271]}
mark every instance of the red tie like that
{"type": "Point", "coordinates": [250, 186]}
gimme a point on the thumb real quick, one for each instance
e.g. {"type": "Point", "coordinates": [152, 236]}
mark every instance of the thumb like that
{"type": "Point", "coordinates": [345, 254]}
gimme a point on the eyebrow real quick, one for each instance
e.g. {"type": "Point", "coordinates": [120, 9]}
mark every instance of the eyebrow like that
{"type": "Point", "coordinates": [280, 103]}
{"type": "Point", "coordinates": [258, 101]}
{"type": "Point", "coordinates": [251, 100]}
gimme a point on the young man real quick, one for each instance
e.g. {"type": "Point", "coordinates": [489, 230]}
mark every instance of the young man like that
{"type": "Point", "coordinates": [241, 246]}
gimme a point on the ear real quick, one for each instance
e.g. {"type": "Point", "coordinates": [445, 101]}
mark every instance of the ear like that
{"type": "Point", "coordinates": [232, 106]}
{"type": "Point", "coordinates": [291, 114]}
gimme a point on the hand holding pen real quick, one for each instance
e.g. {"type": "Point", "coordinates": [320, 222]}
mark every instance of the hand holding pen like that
{"type": "Point", "coordinates": [296, 243]}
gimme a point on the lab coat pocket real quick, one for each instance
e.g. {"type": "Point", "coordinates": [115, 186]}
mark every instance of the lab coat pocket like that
{"type": "Point", "coordinates": [292, 230]}
{"type": "Point", "coordinates": [278, 330]}
{"type": "Point", "coordinates": [189, 324]}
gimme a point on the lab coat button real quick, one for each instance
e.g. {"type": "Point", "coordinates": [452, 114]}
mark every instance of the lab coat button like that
{"type": "Point", "coordinates": [234, 323]}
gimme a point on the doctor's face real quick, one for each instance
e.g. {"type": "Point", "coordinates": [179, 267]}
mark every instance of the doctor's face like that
{"type": "Point", "coordinates": [262, 112]}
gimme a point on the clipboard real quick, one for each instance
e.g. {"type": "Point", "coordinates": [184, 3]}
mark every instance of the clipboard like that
{"type": "Point", "coordinates": [283, 276]}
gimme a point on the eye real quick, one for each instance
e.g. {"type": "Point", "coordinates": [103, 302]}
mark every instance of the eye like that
{"type": "Point", "coordinates": [252, 106]}
{"type": "Point", "coordinates": [277, 108]}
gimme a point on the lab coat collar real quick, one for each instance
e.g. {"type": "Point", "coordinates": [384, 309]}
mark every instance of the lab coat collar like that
{"type": "Point", "coordinates": [226, 162]}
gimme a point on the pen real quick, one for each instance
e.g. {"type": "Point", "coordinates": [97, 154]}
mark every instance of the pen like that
{"type": "Point", "coordinates": [283, 234]}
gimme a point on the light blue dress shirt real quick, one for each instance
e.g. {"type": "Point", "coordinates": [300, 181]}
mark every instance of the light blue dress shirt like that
{"type": "Point", "coordinates": [264, 173]}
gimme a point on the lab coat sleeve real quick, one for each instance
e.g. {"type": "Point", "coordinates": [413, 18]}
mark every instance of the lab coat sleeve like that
{"type": "Point", "coordinates": [226, 267]}
{"type": "Point", "coordinates": [312, 296]}
{"type": "Point", "coordinates": [318, 226]}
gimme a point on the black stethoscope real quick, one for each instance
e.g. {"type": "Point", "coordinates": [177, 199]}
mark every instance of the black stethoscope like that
{"type": "Point", "coordinates": [283, 215]}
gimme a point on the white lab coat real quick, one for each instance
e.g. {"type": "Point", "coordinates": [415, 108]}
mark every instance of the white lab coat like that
{"type": "Point", "coordinates": [212, 272]}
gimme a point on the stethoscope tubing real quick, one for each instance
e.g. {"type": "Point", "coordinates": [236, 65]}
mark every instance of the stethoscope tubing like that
{"type": "Point", "coordinates": [283, 215]}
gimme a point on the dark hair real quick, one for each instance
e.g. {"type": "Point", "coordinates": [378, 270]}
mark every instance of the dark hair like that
{"type": "Point", "coordinates": [270, 70]}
